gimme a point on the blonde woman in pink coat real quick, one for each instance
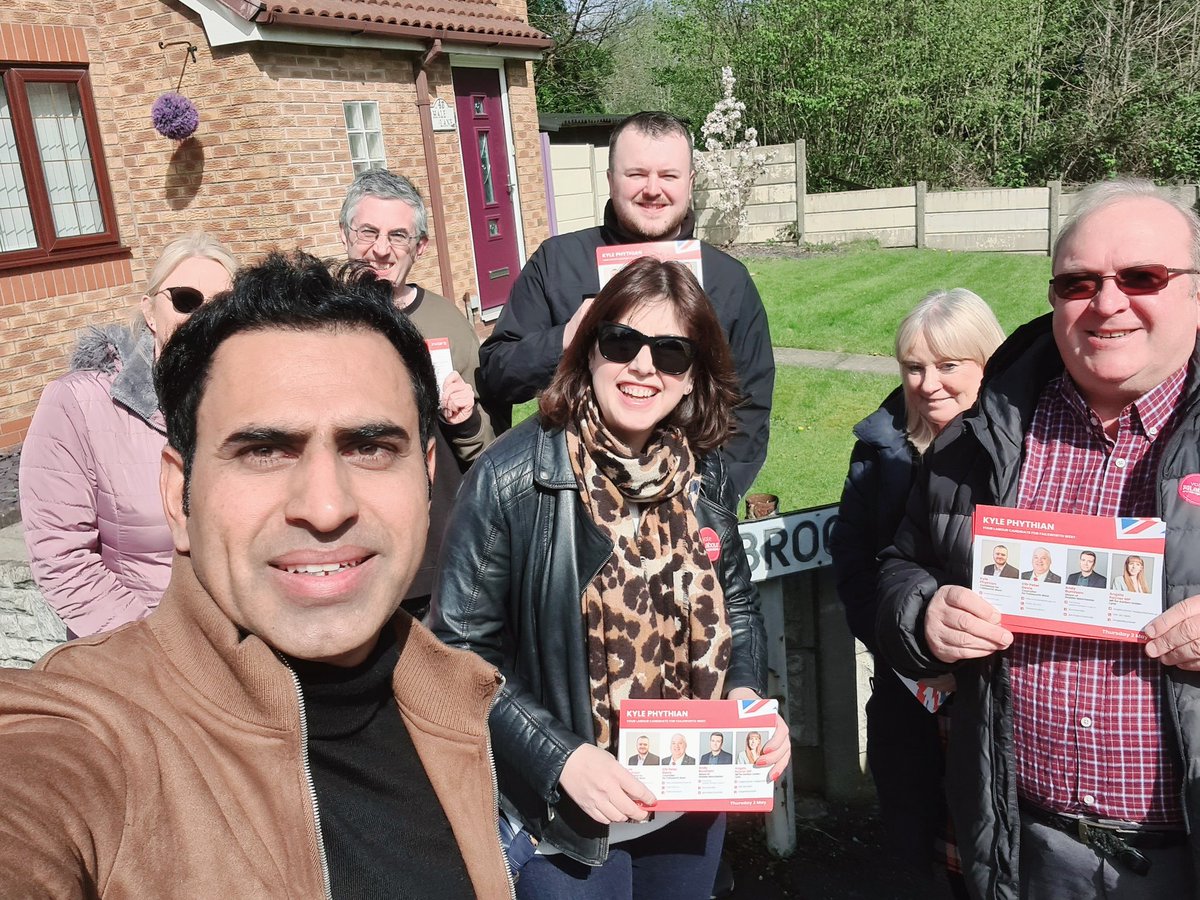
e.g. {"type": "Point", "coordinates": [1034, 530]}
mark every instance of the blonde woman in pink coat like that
{"type": "Point", "coordinates": [98, 541]}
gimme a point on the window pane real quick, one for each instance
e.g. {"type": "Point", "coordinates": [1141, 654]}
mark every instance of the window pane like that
{"type": "Point", "coordinates": [16, 223]}
{"type": "Point", "coordinates": [66, 158]}
{"type": "Point", "coordinates": [364, 135]}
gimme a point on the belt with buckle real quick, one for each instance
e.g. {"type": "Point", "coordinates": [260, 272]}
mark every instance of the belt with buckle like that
{"type": "Point", "coordinates": [1116, 840]}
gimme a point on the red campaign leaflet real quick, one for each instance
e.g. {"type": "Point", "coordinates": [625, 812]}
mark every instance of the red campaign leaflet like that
{"type": "Point", "coordinates": [1070, 575]}
{"type": "Point", "coordinates": [929, 697]}
{"type": "Point", "coordinates": [611, 260]}
{"type": "Point", "coordinates": [695, 754]}
{"type": "Point", "coordinates": [443, 364]}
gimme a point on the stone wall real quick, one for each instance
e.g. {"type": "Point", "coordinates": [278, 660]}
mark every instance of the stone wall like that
{"type": "Point", "coordinates": [28, 627]}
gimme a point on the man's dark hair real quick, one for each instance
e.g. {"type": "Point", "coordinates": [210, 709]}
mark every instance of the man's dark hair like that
{"type": "Point", "coordinates": [651, 124]}
{"type": "Point", "coordinates": [291, 292]}
{"type": "Point", "coordinates": [1091, 553]}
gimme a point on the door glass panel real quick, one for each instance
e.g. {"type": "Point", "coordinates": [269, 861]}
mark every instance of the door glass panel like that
{"type": "Point", "coordinates": [485, 168]}
{"type": "Point", "coordinates": [477, 103]}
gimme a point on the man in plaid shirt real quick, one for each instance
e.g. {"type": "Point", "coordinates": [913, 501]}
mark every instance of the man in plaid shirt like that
{"type": "Point", "coordinates": [1074, 765]}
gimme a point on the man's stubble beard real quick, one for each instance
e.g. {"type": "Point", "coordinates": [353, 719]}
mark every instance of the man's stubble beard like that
{"type": "Point", "coordinates": [668, 233]}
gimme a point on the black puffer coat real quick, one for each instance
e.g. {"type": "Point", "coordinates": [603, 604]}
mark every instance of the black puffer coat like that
{"type": "Point", "coordinates": [520, 550]}
{"type": "Point", "coordinates": [977, 459]}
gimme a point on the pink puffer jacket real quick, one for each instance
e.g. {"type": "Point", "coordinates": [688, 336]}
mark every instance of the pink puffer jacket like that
{"type": "Point", "coordinates": [94, 524]}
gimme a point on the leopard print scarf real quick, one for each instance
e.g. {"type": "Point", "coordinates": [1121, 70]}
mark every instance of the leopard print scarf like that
{"type": "Point", "coordinates": [655, 614]}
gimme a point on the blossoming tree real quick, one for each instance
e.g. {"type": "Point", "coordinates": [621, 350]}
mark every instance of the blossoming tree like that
{"type": "Point", "coordinates": [731, 164]}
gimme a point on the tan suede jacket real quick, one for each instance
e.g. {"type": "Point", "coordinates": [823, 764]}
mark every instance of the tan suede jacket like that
{"type": "Point", "coordinates": [167, 759]}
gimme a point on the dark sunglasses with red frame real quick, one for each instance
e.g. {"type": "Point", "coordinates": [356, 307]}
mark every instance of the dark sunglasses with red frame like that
{"type": "Point", "coordinates": [1133, 281]}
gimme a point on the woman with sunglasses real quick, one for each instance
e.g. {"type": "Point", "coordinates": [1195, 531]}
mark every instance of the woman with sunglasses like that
{"type": "Point", "coordinates": [593, 556]}
{"type": "Point", "coordinates": [98, 541]}
{"type": "Point", "coordinates": [942, 347]}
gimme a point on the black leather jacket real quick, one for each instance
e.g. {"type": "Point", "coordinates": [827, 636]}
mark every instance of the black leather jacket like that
{"type": "Point", "coordinates": [520, 550]}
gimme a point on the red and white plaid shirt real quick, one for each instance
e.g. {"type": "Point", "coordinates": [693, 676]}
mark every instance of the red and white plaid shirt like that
{"type": "Point", "coordinates": [1088, 717]}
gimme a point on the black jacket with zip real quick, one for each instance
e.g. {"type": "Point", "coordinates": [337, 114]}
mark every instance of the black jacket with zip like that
{"type": "Point", "coordinates": [520, 357]}
{"type": "Point", "coordinates": [977, 459]}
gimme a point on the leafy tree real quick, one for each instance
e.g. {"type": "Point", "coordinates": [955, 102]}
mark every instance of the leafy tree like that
{"type": "Point", "coordinates": [572, 75]}
{"type": "Point", "coordinates": [955, 92]}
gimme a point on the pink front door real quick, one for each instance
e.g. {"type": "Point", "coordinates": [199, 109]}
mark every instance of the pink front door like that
{"type": "Point", "coordinates": [489, 194]}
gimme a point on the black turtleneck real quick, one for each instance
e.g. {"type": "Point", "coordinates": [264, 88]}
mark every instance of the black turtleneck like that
{"type": "Point", "coordinates": [385, 833]}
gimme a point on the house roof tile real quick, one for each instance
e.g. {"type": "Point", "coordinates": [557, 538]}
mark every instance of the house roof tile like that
{"type": "Point", "coordinates": [466, 21]}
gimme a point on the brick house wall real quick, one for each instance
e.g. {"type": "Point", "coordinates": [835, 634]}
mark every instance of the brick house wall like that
{"type": "Point", "coordinates": [267, 167]}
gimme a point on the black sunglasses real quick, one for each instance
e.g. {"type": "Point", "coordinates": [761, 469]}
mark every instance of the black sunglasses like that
{"type": "Point", "coordinates": [186, 300]}
{"type": "Point", "coordinates": [1133, 281]}
{"type": "Point", "coordinates": [620, 344]}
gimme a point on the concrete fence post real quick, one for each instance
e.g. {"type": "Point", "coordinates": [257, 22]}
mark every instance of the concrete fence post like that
{"type": "Point", "coordinates": [919, 214]}
{"type": "Point", "coordinates": [801, 187]}
{"type": "Point", "coordinates": [1053, 212]}
{"type": "Point", "coordinates": [597, 210]}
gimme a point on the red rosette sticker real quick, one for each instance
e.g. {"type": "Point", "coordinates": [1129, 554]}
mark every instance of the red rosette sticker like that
{"type": "Point", "coordinates": [712, 543]}
{"type": "Point", "coordinates": [1189, 489]}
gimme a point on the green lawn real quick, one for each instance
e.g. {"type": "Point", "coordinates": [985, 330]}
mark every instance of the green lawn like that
{"type": "Point", "coordinates": [812, 416]}
{"type": "Point", "coordinates": [853, 301]}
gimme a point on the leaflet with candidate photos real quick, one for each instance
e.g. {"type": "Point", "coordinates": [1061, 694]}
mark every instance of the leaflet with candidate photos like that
{"type": "Point", "coordinates": [1071, 575]}
{"type": "Point", "coordinates": [611, 260]}
{"type": "Point", "coordinates": [699, 755]}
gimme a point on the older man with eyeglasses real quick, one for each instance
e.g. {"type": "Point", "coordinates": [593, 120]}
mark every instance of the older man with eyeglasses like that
{"type": "Point", "coordinates": [384, 224]}
{"type": "Point", "coordinates": [1074, 768]}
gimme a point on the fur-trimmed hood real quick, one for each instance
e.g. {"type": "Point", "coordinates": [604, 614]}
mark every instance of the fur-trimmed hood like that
{"type": "Point", "coordinates": [128, 356]}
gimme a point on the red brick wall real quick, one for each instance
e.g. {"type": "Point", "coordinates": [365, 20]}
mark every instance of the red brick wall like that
{"type": "Point", "coordinates": [267, 167]}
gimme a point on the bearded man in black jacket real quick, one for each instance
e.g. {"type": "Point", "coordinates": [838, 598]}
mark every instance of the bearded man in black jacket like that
{"type": "Point", "coordinates": [650, 179]}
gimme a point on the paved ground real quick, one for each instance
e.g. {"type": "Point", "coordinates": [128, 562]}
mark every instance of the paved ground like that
{"type": "Point", "coordinates": [847, 362]}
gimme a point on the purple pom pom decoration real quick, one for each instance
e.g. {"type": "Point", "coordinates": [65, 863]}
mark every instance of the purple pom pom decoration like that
{"type": "Point", "coordinates": [174, 116]}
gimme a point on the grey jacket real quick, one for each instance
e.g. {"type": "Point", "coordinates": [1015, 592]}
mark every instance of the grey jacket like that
{"type": "Point", "coordinates": [977, 459]}
{"type": "Point", "coordinates": [522, 548]}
